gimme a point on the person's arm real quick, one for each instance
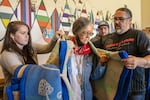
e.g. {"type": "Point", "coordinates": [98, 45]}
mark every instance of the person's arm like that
{"type": "Point", "coordinates": [96, 41]}
{"type": "Point", "coordinates": [10, 61]}
{"type": "Point", "coordinates": [98, 72]}
{"type": "Point", "coordinates": [46, 48]}
{"type": "Point", "coordinates": [132, 62]}
{"type": "Point", "coordinates": [147, 61]}
{"type": "Point", "coordinates": [98, 69]}
{"type": "Point", "coordinates": [142, 45]}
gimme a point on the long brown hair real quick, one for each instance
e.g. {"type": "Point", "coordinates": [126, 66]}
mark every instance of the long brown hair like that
{"type": "Point", "coordinates": [10, 45]}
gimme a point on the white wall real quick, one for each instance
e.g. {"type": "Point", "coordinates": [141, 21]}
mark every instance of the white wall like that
{"type": "Point", "coordinates": [112, 5]}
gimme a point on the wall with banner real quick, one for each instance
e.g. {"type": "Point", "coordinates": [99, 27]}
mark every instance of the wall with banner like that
{"type": "Point", "coordinates": [47, 16]}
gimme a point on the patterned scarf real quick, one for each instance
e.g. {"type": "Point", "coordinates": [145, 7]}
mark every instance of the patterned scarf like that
{"type": "Point", "coordinates": [85, 49]}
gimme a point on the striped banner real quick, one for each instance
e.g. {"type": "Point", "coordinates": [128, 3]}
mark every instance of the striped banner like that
{"type": "Point", "coordinates": [55, 20]}
{"type": "Point", "coordinates": [25, 8]}
{"type": "Point", "coordinates": [92, 17]}
{"type": "Point", "coordinates": [65, 22]}
{"type": "Point", "coordinates": [97, 20]}
{"type": "Point", "coordinates": [84, 12]}
{"type": "Point", "coordinates": [6, 12]}
{"type": "Point", "coordinates": [42, 16]}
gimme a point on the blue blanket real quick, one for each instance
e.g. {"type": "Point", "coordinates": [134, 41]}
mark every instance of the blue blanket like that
{"type": "Point", "coordinates": [125, 80]}
{"type": "Point", "coordinates": [37, 83]}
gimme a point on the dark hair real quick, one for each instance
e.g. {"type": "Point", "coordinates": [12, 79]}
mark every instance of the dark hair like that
{"type": "Point", "coordinates": [128, 11]}
{"type": "Point", "coordinates": [10, 45]}
{"type": "Point", "coordinates": [80, 24]}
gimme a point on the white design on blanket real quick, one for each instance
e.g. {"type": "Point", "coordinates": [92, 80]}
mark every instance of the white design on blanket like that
{"type": "Point", "coordinates": [45, 88]}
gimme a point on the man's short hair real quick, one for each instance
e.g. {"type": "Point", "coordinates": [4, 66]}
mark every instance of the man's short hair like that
{"type": "Point", "coordinates": [128, 11]}
{"type": "Point", "coordinates": [103, 23]}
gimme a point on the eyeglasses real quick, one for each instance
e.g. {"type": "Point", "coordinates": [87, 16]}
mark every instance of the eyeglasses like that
{"type": "Point", "coordinates": [120, 18]}
{"type": "Point", "coordinates": [86, 33]}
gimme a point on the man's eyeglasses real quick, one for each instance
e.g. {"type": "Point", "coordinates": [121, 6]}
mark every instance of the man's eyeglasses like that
{"type": "Point", "coordinates": [86, 33]}
{"type": "Point", "coordinates": [120, 18]}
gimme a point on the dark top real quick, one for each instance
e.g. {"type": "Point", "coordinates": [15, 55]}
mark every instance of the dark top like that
{"type": "Point", "coordinates": [134, 42]}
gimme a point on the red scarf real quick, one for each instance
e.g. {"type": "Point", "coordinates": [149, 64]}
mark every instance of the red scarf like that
{"type": "Point", "coordinates": [85, 49]}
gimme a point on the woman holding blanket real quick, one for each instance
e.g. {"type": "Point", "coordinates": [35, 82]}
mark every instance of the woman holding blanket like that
{"type": "Point", "coordinates": [18, 49]}
{"type": "Point", "coordinates": [83, 63]}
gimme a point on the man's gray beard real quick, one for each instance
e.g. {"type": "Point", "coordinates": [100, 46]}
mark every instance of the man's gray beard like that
{"type": "Point", "coordinates": [119, 31]}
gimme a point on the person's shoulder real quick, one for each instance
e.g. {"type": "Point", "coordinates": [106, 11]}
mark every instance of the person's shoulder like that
{"type": "Point", "coordinates": [110, 35]}
{"type": "Point", "coordinates": [96, 38]}
{"type": "Point", "coordinates": [136, 31]}
{"type": "Point", "coordinates": [139, 34]}
{"type": "Point", "coordinates": [6, 54]}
